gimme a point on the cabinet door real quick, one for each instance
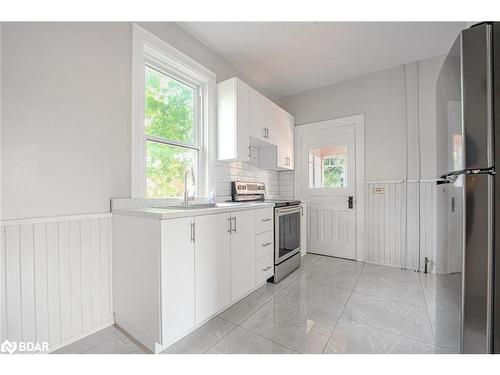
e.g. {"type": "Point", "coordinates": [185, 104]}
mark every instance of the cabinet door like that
{"type": "Point", "coordinates": [256, 115]}
{"type": "Point", "coordinates": [303, 229]}
{"type": "Point", "coordinates": [242, 253]}
{"type": "Point", "coordinates": [212, 264]}
{"type": "Point", "coordinates": [242, 127]}
{"type": "Point", "coordinates": [177, 278]}
{"type": "Point", "coordinates": [274, 122]}
{"type": "Point", "coordinates": [290, 140]}
{"type": "Point", "coordinates": [232, 120]}
{"type": "Point", "coordinates": [281, 139]}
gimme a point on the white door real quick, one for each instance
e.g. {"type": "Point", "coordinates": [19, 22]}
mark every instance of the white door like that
{"type": "Point", "coordinates": [328, 186]}
{"type": "Point", "coordinates": [212, 264]}
{"type": "Point", "coordinates": [242, 253]}
{"type": "Point", "coordinates": [177, 263]}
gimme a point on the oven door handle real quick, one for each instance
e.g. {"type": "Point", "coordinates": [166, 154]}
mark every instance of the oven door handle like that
{"type": "Point", "coordinates": [285, 211]}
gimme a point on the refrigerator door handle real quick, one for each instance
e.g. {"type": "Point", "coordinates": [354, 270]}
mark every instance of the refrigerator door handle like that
{"type": "Point", "coordinates": [452, 176]}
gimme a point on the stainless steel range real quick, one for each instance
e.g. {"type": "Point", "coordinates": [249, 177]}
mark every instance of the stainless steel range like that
{"type": "Point", "coordinates": [286, 225]}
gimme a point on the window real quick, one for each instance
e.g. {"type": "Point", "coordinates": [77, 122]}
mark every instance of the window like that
{"type": "Point", "coordinates": [173, 121]}
{"type": "Point", "coordinates": [327, 167]}
{"type": "Point", "coordinates": [171, 132]}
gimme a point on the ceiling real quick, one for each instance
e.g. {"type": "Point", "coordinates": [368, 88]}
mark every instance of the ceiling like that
{"type": "Point", "coordinates": [287, 58]}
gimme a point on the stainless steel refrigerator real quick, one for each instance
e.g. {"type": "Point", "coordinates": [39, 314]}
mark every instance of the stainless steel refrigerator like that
{"type": "Point", "coordinates": [468, 121]}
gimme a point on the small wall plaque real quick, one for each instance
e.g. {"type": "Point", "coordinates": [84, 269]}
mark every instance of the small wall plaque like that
{"type": "Point", "coordinates": [378, 190]}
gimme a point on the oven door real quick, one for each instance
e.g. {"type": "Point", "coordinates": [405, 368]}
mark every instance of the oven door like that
{"type": "Point", "coordinates": [286, 232]}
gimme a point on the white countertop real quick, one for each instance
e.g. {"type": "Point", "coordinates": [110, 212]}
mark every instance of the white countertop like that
{"type": "Point", "coordinates": [164, 213]}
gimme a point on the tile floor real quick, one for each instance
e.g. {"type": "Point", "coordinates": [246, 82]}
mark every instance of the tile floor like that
{"type": "Point", "coordinates": [328, 305]}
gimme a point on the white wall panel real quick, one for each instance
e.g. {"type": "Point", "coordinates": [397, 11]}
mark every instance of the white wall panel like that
{"type": "Point", "coordinates": [385, 224]}
{"type": "Point", "coordinates": [428, 225]}
{"type": "Point", "coordinates": [57, 278]}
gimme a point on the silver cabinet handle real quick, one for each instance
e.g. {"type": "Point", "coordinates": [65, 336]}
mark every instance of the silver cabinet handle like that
{"type": "Point", "coordinates": [193, 233]}
{"type": "Point", "coordinates": [230, 227]}
{"type": "Point", "coordinates": [266, 244]}
{"type": "Point", "coordinates": [301, 210]}
{"type": "Point", "coordinates": [234, 218]}
{"type": "Point", "coordinates": [267, 268]}
{"type": "Point", "coordinates": [268, 219]}
{"type": "Point", "coordinates": [265, 132]}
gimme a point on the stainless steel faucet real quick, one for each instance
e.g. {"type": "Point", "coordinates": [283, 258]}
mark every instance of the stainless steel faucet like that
{"type": "Point", "coordinates": [187, 198]}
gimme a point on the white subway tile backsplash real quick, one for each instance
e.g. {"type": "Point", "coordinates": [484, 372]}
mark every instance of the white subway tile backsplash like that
{"type": "Point", "coordinates": [241, 171]}
{"type": "Point", "coordinates": [286, 182]}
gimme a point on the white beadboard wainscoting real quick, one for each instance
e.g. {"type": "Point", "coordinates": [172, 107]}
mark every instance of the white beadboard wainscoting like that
{"type": "Point", "coordinates": [389, 224]}
{"type": "Point", "coordinates": [56, 283]}
{"type": "Point", "coordinates": [384, 223]}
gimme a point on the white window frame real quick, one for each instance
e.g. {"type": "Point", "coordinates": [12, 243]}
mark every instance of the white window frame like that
{"type": "Point", "coordinates": [148, 49]}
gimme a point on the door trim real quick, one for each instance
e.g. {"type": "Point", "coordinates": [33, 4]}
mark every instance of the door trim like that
{"type": "Point", "coordinates": [359, 125]}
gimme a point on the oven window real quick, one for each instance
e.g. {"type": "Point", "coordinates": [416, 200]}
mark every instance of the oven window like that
{"type": "Point", "coordinates": [289, 233]}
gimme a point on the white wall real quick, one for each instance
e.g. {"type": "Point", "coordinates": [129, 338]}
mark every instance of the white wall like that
{"type": "Point", "coordinates": [65, 150]}
{"type": "Point", "coordinates": [66, 94]}
{"type": "Point", "coordinates": [400, 145]}
{"type": "Point", "coordinates": [66, 117]}
{"type": "Point", "coordinates": [380, 97]}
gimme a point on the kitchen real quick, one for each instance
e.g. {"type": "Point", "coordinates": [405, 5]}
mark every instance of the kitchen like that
{"type": "Point", "coordinates": [234, 200]}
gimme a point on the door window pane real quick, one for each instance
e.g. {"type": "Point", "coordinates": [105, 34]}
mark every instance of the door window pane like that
{"type": "Point", "coordinates": [165, 168]}
{"type": "Point", "coordinates": [169, 108]}
{"type": "Point", "coordinates": [328, 167]}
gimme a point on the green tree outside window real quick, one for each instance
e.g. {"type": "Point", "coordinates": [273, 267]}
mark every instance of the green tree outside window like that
{"type": "Point", "coordinates": [169, 115]}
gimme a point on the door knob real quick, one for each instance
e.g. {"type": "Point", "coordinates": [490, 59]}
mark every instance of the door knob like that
{"type": "Point", "coordinates": [350, 201]}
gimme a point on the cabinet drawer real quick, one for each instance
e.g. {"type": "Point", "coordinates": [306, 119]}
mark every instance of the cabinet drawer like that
{"type": "Point", "coordinates": [264, 269]}
{"type": "Point", "coordinates": [263, 220]}
{"type": "Point", "coordinates": [264, 244]}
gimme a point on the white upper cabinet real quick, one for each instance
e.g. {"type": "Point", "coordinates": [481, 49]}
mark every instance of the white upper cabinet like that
{"type": "Point", "coordinates": [248, 119]}
{"type": "Point", "coordinates": [279, 155]}
{"type": "Point", "coordinates": [232, 120]}
{"type": "Point", "coordinates": [257, 120]}
{"type": "Point", "coordinates": [290, 141]}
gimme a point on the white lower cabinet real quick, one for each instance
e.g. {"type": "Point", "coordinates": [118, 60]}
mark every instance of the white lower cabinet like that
{"type": "Point", "coordinates": [177, 278]}
{"type": "Point", "coordinates": [264, 244]}
{"type": "Point", "coordinates": [170, 276]}
{"type": "Point", "coordinates": [264, 269]}
{"type": "Point", "coordinates": [212, 266]}
{"type": "Point", "coordinates": [242, 253]}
